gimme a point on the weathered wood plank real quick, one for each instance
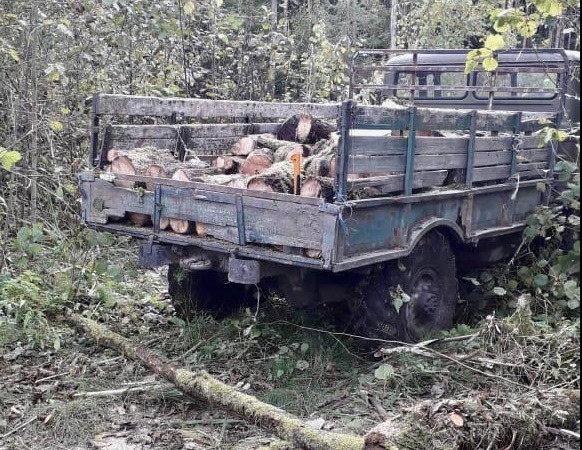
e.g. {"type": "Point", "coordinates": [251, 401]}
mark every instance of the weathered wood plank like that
{"type": "Point", "coordinates": [481, 174]}
{"type": "Point", "coordinates": [396, 145]}
{"type": "Point", "coordinates": [129, 132]}
{"type": "Point", "coordinates": [531, 156]}
{"type": "Point", "coordinates": [493, 158]}
{"type": "Point", "coordinates": [394, 183]}
{"type": "Point", "coordinates": [396, 163]}
{"type": "Point", "coordinates": [434, 119]}
{"type": "Point", "coordinates": [442, 119]}
{"type": "Point", "coordinates": [169, 144]}
{"type": "Point", "coordinates": [389, 118]}
{"type": "Point", "coordinates": [165, 107]}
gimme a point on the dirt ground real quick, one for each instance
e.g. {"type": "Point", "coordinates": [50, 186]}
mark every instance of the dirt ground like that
{"type": "Point", "coordinates": [83, 396]}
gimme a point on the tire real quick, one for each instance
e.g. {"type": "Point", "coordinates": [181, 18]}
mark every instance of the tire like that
{"type": "Point", "coordinates": [428, 276]}
{"type": "Point", "coordinates": [205, 291]}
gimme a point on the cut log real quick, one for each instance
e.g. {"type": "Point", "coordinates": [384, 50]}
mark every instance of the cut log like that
{"type": "Point", "coordinates": [324, 147]}
{"type": "Point", "coordinates": [182, 226]}
{"type": "Point", "coordinates": [206, 388]}
{"type": "Point", "coordinates": [228, 164]}
{"type": "Point", "coordinates": [284, 150]}
{"type": "Point", "coordinates": [317, 187]}
{"type": "Point", "coordinates": [321, 165]}
{"type": "Point", "coordinates": [258, 161]}
{"type": "Point", "coordinates": [305, 129]}
{"type": "Point", "coordinates": [277, 178]}
{"type": "Point", "coordinates": [133, 162]}
{"type": "Point", "coordinates": [245, 145]}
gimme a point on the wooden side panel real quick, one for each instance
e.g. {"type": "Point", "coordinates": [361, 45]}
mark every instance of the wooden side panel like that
{"type": "Point", "coordinates": [264, 220]}
{"type": "Point", "coordinates": [166, 107]}
{"type": "Point", "coordinates": [396, 163]}
{"type": "Point", "coordinates": [433, 119]}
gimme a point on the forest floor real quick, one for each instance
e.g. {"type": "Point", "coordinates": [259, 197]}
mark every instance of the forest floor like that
{"type": "Point", "coordinates": [488, 390]}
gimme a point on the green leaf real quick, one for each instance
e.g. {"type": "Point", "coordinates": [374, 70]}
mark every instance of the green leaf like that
{"type": "Point", "coordinates": [573, 304]}
{"type": "Point", "coordinates": [13, 54]}
{"type": "Point", "coordinates": [189, 8]}
{"type": "Point", "coordinates": [56, 126]}
{"type": "Point", "coordinates": [499, 291]}
{"type": "Point", "coordinates": [384, 372]}
{"type": "Point", "coordinates": [541, 280]}
{"type": "Point", "coordinates": [572, 290]}
{"type": "Point", "coordinates": [495, 42]}
{"type": "Point", "coordinates": [9, 158]}
{"type": "Point", "coordinates": [490, 64]}
{"type": "Point", "coordinates": [302, 365]}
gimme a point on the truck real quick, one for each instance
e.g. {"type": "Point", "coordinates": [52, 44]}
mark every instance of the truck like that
{"type": "Point", "coordinates": [455, 161]}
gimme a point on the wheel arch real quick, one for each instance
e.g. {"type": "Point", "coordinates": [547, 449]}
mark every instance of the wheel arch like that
{"type": "Point", "coordinates": [451, 230]}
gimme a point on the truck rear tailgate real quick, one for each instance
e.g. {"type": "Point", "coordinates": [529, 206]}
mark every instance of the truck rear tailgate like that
{"type": "Point", "coordinates": [276, 227]}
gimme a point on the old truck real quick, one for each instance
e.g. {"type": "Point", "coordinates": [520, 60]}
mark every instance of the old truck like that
{"type": "Point", "coordinates": [455, 158]}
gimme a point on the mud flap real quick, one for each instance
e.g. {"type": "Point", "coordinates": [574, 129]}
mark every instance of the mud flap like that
{"type": "Point", "coordinates": [152, 256]}
{"type": "Point", "coordinates": [244, 271]}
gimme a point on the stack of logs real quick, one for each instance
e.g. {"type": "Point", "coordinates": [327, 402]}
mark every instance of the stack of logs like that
{"type": "Point", "coordinates": [255, 162]}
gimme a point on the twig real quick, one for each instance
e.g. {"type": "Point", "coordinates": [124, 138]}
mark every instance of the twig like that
{"type": "Point", "coordinates": [191, 350]}
{"type": "Point", "coordinates": [56, 375]}
{"type": "Point", "coordinates": [113, 392]}
{"type": "Point", "coordinates": [19, 427]}
{"type": "Point", "coordinates": [430, 353]}
{"type": "Point", "coordinates": [564, 433]}
{"type": "Point", "coordinates": [375, 402]}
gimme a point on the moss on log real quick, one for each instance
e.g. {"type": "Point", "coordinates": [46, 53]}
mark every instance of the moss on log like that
{"type": "Point", "coordinates": [204, 387]}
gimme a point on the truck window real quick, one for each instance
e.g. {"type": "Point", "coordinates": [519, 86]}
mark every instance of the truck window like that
{"type": "Point", "coordinates": [445, 79]}
{"type": "Point", "coordinates": [522, 79]}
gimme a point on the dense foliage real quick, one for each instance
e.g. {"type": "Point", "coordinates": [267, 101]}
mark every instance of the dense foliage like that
{"type": "Point", "coordinates": [53, 55]}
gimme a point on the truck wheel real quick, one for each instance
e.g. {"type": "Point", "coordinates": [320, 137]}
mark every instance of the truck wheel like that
{"type": "Point", "coordinates": [193, 292]}
{"type": "Point", "coordinates": [428, 276]}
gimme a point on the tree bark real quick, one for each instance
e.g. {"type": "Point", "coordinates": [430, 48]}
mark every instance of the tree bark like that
{"type": "Point", "coordinates": [204, 387]}
{"type": "Point", "coordinates": [305, 129]}
{"type": "Point", "coordinates": [278, 178]}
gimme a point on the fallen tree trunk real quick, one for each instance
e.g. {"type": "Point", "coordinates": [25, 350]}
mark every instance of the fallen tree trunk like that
{"type": "Point", "coordinates": [245, 145]}
{"type": "Point", "coordinates": [204, 387]}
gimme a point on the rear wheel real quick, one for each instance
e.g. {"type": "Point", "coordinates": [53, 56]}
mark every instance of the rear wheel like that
{"type": "Point", "coordinates": [412, 298]}
{"type": "Point", "coordinates": [193, 292]}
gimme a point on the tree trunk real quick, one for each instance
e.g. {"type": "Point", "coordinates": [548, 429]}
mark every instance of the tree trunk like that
{"type": "Point", "coordinates": [204, 387]}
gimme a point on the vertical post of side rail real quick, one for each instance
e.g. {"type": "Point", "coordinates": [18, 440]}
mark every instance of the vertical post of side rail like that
{"type": "Point", "coordinates": [94, 130]}
{"type": "Point", "coordinates": [409, 174]}
{"type": "Point", "coordinates": [516, 142]}
{"type": "Point", "coordinates": [343, 151]}
{"type": "Point", "coordinates": [469, 173]}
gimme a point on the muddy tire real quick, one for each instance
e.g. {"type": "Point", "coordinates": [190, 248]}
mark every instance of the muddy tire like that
{"type": "Point", "coordinates": [205, 291]}
{"type": "Point", "coordinates": [428, 277]}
